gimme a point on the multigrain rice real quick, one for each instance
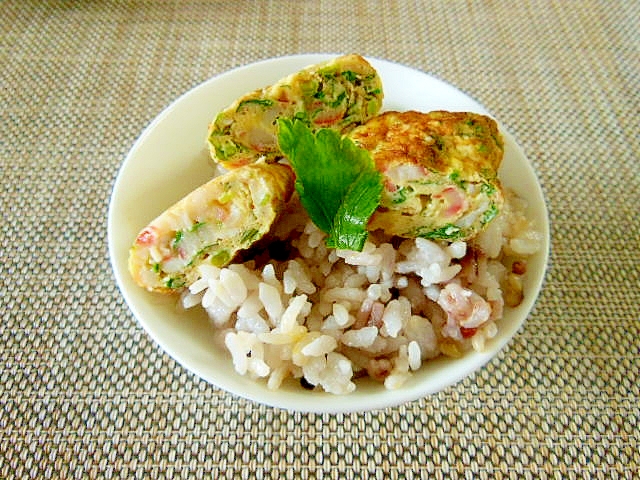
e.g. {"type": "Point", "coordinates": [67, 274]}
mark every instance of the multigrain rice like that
{"type": "Point", "coordinates": [327, 317]}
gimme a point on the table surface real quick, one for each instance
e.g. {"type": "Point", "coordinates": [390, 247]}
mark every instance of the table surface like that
{"type": "Point", "coordinates": [86, 393]}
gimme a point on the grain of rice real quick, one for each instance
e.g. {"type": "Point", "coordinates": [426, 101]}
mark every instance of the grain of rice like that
{"type": "Point", "coordinates": [313, 369]}
{"type": "Point", "coordinates": [206, 272]}
{"type": "Point", "coordinates": [249, 277]}
{"type": "Point", "coordinates": [395, 380]}
{"type": "Point", "coordinates": [290, 315]}
{"type": "Point", "coordinates": [251, 306]}
{"type": "Point", "coordinates": [432, 292]}
{"type": "Point", "coordinates": [421, 331]}
{"type": "Point", "coordinates": [253, 324]}
{"type": "Point", "coordinates": [297, 278]}
{"type": "Point", "coordinates": [275, 337]}
{"type": "Point", "coordinates": [189, 300]}
{"type": "Point", "coordinates": [414, 354]}
{"type": "Point", "coordinates": [355, 281]}
{"type": "Point", "coordinates": [320, 346]}
{"type": "Point", "coordinates": [340, 314]}
{"type": "Point", "coordinates": [396, 314]}
{"type": "Point", "coordinates": [315, 239]}
{"type": "Point", "coordinates": [491, 329]}
{"type": "Point", "coordinates": [361, 338]}
{"type": "Point", "coordinates": [457, 249]}
{"type": "Point", "coordinates": [400, 372]}
{"type": "Point", "coordinates": [232, 287]}
{"type": "Point", "coordinates": [270, 298]}
{"type": "Point", "coordinates": [240, 345]}
{"type": "Point", "coordinates": [338, 294]}
{"type": "Point", "coordinates": [222, 294]}
{"type": "Point", "coordinates": [377, 311]}
{"type": "Point", "coordinates": [524, 246]}
{"type": "Point", "coordinates": [258, 367]}
{"type": "Point", "coordinates": [269, 275]}
{"type": "Point", "coordinates": [374, 292]}
{"type": "Point", "coordinates": [277, 377]}
{"type": "Point", "coordinates": [218, 312]}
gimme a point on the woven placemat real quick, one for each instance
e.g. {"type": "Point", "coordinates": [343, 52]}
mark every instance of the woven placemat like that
{"type": "Point", "coordinates": [85, 393]}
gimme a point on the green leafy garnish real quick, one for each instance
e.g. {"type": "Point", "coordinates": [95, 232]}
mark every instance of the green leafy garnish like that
{"type": "Point", "coordinates": [302, 116]}
{"type": "Point", "coordinates": [337, 181]}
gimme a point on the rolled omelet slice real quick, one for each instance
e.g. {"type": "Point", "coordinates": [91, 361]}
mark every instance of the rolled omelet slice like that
{"type": "Point", "coordinates": [338, 94]}
{"type": "Point", "coordinates": [210, 225]}
{"type": "Point", "coordinates": [440, 172]}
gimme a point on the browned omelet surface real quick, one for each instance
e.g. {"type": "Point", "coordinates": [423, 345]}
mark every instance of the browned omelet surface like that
{"type": "Point", "coordinates": [440, 171]}
{"type": "Point", "coordinates": [339, 94]}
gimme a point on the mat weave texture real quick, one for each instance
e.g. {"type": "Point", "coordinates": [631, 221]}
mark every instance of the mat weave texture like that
{"type": "Point", "coordinates": [86, 393]}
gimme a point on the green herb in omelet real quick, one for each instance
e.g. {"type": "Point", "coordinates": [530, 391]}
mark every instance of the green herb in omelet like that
{"type": "Point", "coordinates": [446, 232]}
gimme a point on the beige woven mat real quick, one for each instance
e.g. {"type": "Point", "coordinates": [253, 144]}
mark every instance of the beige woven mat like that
{"type": "Point", "coordinates": [85, 393]}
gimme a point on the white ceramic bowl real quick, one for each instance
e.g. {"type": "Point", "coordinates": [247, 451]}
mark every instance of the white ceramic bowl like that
{"type": "Point", "coordinates": [170, 159]}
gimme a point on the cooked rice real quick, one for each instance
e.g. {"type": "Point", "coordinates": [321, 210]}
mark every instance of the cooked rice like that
{"type": "Point", "coordinates": [327, 317]}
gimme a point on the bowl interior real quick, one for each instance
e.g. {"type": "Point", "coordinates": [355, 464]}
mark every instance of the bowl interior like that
{"type": "Point", "coordinates": [170, 159]}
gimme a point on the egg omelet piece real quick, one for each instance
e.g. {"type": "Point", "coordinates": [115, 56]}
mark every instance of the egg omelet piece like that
{"type": "Point", "coordinates": [440, 172]}
{"type": "Point", "coordinates": [210, 226]}
{"type": "Point", "coordinates": [338, 94]}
